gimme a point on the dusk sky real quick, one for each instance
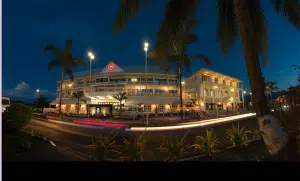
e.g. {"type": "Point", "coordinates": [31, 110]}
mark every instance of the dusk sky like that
{"type": "Point", "coordinates": [29, 25]}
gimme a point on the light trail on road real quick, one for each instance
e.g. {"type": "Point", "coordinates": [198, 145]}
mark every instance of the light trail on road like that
{"type": "Point", "coordinates": [194, 125]}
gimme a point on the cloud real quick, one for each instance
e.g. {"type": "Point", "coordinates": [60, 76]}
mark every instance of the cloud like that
{"type": "Point", "coordinates": [25, 91]}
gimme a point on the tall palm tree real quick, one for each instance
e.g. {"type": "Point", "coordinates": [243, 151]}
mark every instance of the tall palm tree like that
{"type": "Point", "coordinates": [243, 18]}
{"type": "Point", "coordinates": [120, 97]}
{"type": "Point", "coordinates": [79, 96]}
{"type": "Point", "coordinates": [176, 57]}
{"type": "Point", "coordinates": [65, 60]}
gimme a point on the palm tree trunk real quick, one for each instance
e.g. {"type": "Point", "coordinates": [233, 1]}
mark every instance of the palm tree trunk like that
{"type": "Point", "coordinates": [61, 84]}
{"type": "Point", "coordinates": [273, 136]}
{"type": "Point", "coordinates": [180, 87]}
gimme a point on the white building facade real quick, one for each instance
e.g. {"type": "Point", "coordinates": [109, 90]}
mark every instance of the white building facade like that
{"type": "Point", "coordinates": [157, 90]}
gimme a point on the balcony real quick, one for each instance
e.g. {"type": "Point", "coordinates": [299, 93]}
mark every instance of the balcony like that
{"type": "Point", "coordinates": [154, 94]}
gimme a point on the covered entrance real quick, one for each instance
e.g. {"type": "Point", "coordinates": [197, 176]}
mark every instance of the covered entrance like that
{"type": "Point", "coordinates": [102, 108]}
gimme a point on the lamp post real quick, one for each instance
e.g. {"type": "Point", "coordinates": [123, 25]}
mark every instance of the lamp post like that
{"type": "Point", "coordinates": [251, 100]}
{"type": "Point", "coordinates": [37, 99]}
{"type": "Point", "coordinates": [146, 46]}
{"type": "Point", "coordinates": [92, 57]}
{"type": "Point", "coordinates": [243, 96]}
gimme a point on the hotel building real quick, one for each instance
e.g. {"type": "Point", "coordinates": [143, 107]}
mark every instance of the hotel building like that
{"type": "Point", "coordinates": [156, 89]}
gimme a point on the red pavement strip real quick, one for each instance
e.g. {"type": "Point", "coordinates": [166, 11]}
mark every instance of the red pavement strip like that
{"type": "Point", "coordinates": [100, 123]}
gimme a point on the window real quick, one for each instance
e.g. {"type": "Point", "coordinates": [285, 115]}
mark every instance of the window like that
{"type": "Point", "coordinates": [224, 82]}
{"type": "Point", "coordinates": [205, 92]}
{"type": "Point", "coordinates": [230, 83]}
{"type": "Point", "coordinates": [99, 90]}
{"type": "Point", "coordinates": [100, 80]}
{"type": "Point", "coordinates": [195, 78]}
{"type": "Point", "coordinates": [173, 91]}
{"type": "Point", "coordinates": [172, 82]}
{"type": "Point", "coordinates": [205, 78]}
{"type": "Point", "coordinates": [5, 102]}
{"type": "Point", "coordinates": [159, 91]}
{"type": "Point", "coordinates": [147, 107]}
{"type": "Point", "coordinates": [221, 94]}
{"type": "Point", "coordinates": [216, 80]}
{"type": "Point", "coordinates": [161, 108]}
{"type": "Point", "coordinates": [226, 94]}
{"type": "Point", "coordinates": [174, 106]}
{"type": "Point", "coordinates": [211, 92]}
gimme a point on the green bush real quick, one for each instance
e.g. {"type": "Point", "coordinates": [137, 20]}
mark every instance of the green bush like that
{"type": "Point", "coordinates": [208, 143]}
{"type": "Point", "coordinates": [17, 116]}
{"type": "Point", "coordinates": [238, 136]}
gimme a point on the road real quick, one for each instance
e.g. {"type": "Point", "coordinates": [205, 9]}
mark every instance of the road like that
{"type": "Point", "coordinates": [76, 138]}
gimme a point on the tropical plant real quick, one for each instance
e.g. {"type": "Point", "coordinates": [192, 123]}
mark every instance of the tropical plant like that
{"type": "Point", "coordinates": [256, 134]}
{"type": "Point", "coordinates": [17, 116]}
{"type": "Point", "coordinates": [79, 96]}
{"type": "Point", "coordinates": [120, 97]}
{"type": "Point", "coordinates": [133, 149]}
{"type": "Point", "coordinates": [174, 148]}
{"type": "Point", "coordinates": [238, 136]}
{"type": "Point", "coordinates": [65, 60]}
{"type": "Point", "coordinates": [102, 145]}
{"type": "Point", "coordinates": [208, 143]}
{"type": "Point", "coordinates": [243, 18]}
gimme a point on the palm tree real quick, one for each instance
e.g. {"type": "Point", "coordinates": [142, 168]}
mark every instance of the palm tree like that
{"type": "Point", "coordinates": [176, 57]}
{"type": "Point", "coordinates": [78, 95]}
{"type": "Point", "coordinates": [120, 97]}
{"type": "Point", "coordinates": [243, 18]}
{"type": "Point", "coordinates": [65, 60]}
{"type": "Point", "coordinates": [270, 87]}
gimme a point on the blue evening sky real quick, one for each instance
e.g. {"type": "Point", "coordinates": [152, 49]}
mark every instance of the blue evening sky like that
{"type": "Point", "coordinates": [29, 25]}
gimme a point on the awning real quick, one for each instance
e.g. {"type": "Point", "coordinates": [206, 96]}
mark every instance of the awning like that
{"type": "Point", "coordinates": [68, 101]}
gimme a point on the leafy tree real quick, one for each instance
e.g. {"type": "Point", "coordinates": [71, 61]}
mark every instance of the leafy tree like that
{"type": "Point", "coordinates": [65, 60]}
{"type": "Point", "coordinates": [120, 97]}
{"type": "Point", "coordinates": [236, 18]}
{"type": "Point", "coordinates": [17, 116]}
{"type": "Point", "coordinates": [79, 96]}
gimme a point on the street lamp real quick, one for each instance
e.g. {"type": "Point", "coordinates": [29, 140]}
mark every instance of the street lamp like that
{"type": "Point", "coordinates": [251, 101]}
{"type": "Point", "coordinates": [243, 96]}
{"type": "Point", "coordinates": [146, 46]}
{"type": "Point", "coordinates": [92, 57]}
{"type": "Point", "coordinates": [37, 99]}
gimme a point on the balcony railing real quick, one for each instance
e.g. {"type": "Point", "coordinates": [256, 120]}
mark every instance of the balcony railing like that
{"type": "Point", "coordinates": [154, 94]}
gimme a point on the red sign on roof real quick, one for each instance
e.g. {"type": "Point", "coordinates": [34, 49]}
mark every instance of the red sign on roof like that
{"type": "Point", "coordinates": [111, 66]}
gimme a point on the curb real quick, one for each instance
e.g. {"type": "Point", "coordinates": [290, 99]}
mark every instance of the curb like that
{"type": "Point", "coordinates": [41, 137]}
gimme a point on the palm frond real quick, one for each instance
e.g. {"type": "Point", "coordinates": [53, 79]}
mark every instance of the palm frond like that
{"type": "Point", "coordinates": [54, 63]}
{"type": "Point", "coordinates": [290, 9]}
{"type": "Point", "coordinates": [68, 45]}
{"type": "Point", "coordinates": [128, 9]}
{"type": "Point", "coordinates": [79, 61]}
{"type": "Point", "coordinates": [69, 72]}
{"type": "Point", "coordinates": [200, 56]}
{"type": "Point", "coordinates": [227, 25]}
{"type": "Point", "coordinates": [52, 49]}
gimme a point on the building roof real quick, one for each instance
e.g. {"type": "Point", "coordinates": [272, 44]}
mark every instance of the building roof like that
{"type": "Point", "coordinates": [125, 69]}
{"type": "Point", "coordinates": [204, 69]}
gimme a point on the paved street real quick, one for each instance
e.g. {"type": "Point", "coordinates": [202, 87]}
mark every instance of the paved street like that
{"type": "Point", "coordinates": [77, 137]}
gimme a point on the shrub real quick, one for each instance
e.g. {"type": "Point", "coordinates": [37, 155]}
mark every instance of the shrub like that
{"type": "Point", "coordinates": [174, 148]}
{"type": "Point", "coordinates": [207, 144]}
{"type": "Point", "coordinates": [102, 145]}
{"type": "Point", "coordinates": [133, 149]}
{"type": "Point", "coordinates": [17, 116]}
{"type": "Point", "coordinates": [238, 136]}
